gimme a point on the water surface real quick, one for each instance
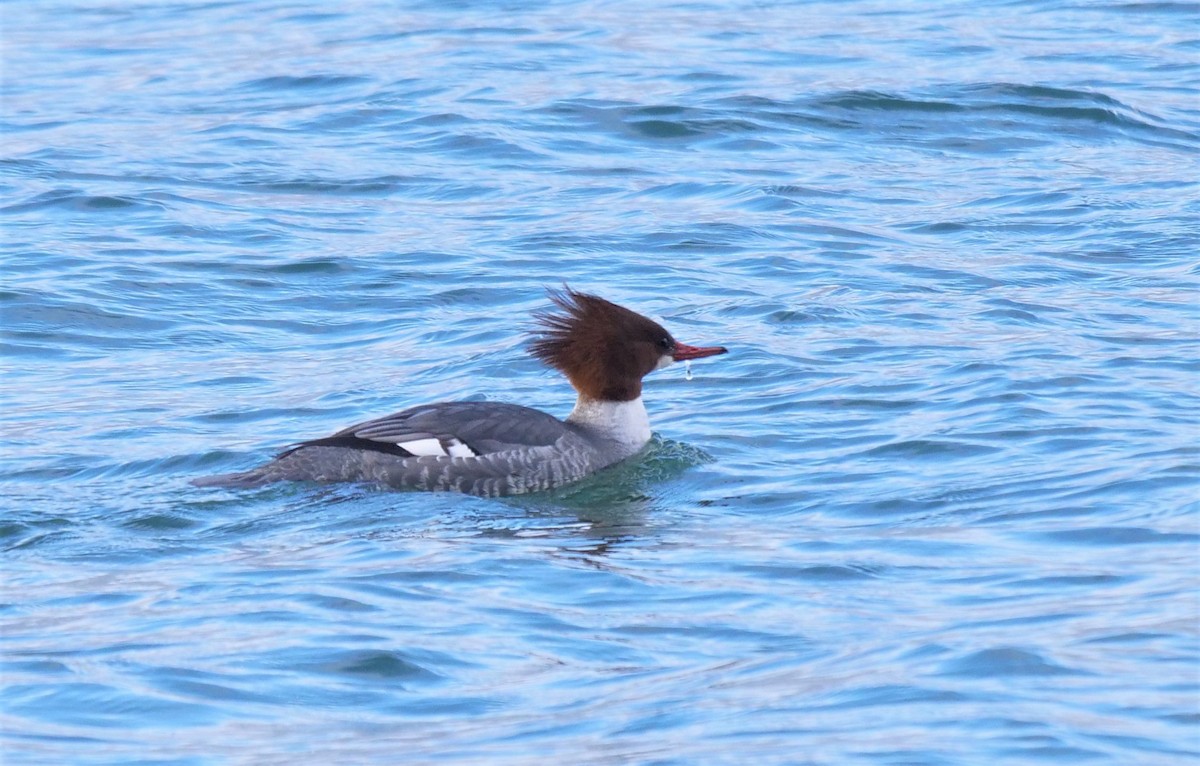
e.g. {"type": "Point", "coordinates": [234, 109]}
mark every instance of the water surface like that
{"type": "Point", "coordinates": [937, 506]}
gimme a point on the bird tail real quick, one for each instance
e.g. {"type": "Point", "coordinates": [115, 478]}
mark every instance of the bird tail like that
{"type": "Point", "coordinates": [241, 480]}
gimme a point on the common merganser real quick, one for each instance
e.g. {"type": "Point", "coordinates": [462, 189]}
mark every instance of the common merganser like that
{"type": "Point", "coordinates": [492, 448]}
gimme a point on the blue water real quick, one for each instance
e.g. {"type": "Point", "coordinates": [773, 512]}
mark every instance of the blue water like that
{"type": "Point", "coordinates": [937, 506]}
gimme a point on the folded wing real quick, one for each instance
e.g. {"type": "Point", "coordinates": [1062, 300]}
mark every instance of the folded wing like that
{"type": "Point", "coordinates": [448, 429]}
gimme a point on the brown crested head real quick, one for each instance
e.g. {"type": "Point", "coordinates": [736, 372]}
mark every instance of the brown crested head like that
{"type": "Point", "coordinates": [604, 349]}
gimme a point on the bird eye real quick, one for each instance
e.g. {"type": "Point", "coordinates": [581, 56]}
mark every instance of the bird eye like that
{"type": "Point", "coordinates": [665, 343]}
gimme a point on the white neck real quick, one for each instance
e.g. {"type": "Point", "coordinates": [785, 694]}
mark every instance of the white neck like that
{"type": "Point", "coordinates": [623, 422]}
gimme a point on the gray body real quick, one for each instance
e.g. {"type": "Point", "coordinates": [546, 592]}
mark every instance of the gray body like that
{"type": "Point", "coordinates": [479, 448]}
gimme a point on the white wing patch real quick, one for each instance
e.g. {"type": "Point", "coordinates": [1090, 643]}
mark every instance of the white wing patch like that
{"type": "Point", "coordinates": [424, 447]}
{"type": "Point", "coordinates": [432, 446]}
{"type": "Point", "coordinates": [399, 431]}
